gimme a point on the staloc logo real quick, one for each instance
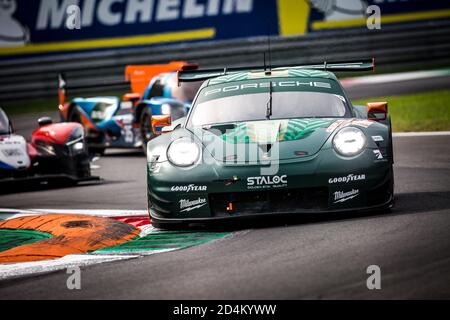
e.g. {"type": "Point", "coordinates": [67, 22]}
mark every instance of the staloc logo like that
{"type": "Point", "coordinates": [267, 181]}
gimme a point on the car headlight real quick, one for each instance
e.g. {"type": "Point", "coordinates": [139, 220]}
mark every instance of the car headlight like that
{"type": "Point", "coordinates": [183, 152]}
{"type": "Point", "coordinates": [165, 108]}
{"type": "Point", "coordinates": [349, 141]}
{"type": "Point", "coordinates": [45, 148]}
{"type": "Point", "coordinates": [79, 146]}
{"type": "Point", "coordinates": [76, 146]}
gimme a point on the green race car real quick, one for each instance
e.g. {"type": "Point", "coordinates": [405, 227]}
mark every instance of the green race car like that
{"type": "Point", "coordinates": [260, 141]}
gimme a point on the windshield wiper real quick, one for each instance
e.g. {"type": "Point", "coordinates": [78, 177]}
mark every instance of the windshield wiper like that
{"type": "Point", "coordinates": [269, 103]}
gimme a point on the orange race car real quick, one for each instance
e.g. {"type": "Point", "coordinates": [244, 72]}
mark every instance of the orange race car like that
{"type": "Point", "coordinates": [111, 122]}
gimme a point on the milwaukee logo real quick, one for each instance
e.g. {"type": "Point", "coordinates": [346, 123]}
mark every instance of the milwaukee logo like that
{"type": "Point", "coordinates": [188, 205]}
{"type": "Point", "coordinates": [341, 196]}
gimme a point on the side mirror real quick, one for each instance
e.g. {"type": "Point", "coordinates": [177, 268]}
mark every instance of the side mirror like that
{"type": "Point", "coordinates": [132, 97]}
{"type": "Point", "coordinates": [161, 121]}
{"type": "Point", "coordinates": [377, 111]}
{"type": "Point", "coordinates": [44, 121]}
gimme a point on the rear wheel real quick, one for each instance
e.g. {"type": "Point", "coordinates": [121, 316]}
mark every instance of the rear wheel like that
{"type": "Point", "coordinates": [146, 128]}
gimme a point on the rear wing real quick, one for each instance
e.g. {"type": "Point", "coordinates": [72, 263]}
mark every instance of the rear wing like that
{"type": "Point", "coordinates": [202, 75]}
{"type": "Point", "coordinates": [140, 75]}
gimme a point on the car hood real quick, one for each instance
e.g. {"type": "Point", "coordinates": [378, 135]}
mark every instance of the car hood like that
{"type": "Point", "coordinates": [256, 141]}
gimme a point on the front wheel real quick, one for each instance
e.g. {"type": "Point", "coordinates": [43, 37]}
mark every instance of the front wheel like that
{"type": "Point", "coordinates": [96, 151]}
{"type": "Point", "coordinates": [146, 128]}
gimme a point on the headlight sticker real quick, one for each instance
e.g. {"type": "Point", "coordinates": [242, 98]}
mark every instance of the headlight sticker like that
{"type": "Point", "coordinates": [378, 154]}
{"type": "Point", "coordinates": [362, 123]}
{"type": "Point", "coordinates": [377, 138]}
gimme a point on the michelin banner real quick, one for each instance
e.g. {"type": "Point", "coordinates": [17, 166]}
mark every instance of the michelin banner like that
{"type": "Point", "coordinates": [46, 26]}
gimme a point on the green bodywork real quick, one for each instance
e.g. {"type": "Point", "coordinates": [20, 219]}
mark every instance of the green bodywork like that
{"type": "Point", "coordinates": [301, 156]}
{"type": "Point", "coordinates": [274, 130]}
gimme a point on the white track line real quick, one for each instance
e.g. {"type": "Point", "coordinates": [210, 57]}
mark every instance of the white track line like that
{"type": "Point", "coordinates": [395, 77]}
{"type": "Point", "coordinates": [6, 213]}
{"type": "Point", "coordinates": [421, 134]}
{"type": "Point", "coordinates": [15, 270]}
{"type": "Point", "coordinates": [95, 212]}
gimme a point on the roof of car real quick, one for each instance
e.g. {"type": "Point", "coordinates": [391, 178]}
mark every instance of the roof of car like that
{"type": "Point", "coordinates": [275, 73]}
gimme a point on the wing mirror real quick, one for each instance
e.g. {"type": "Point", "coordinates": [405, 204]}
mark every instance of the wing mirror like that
{"type": "Point", "coordinates": [161, 121]}
{"type": "Point", "coordinates": [132, 97]}
{"type": "Point", "coordinates": [377, 111]}
{"type": "Point", "coordinates": [11, 128]}
{"type": "Point", "coordinates": [44, 121]}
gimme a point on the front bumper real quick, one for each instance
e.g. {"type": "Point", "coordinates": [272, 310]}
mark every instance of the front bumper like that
{"type": "Point", "coordinates": [219, 192]}
{"type": "Point", "coordinates": [159, 220]}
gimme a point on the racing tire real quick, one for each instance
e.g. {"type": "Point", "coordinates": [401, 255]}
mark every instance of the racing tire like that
{"type": "Point", "coordinates": [146, 128]}
{"type": "Point", "coordinates": [96, 151]}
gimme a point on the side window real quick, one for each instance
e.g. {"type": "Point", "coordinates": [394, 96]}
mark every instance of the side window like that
{"type": "Point", "coordinates": [157, 90]}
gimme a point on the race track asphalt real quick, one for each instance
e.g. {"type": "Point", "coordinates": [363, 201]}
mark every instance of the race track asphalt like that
{"type": "Point", "coordinates": [319, 257]}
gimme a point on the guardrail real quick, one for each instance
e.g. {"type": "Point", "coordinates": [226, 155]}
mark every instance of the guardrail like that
{"type": "Point", "coordinates": [403, 45]}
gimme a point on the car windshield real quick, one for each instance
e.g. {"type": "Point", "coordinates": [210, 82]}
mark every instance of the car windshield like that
{"type": "Point", "coordinates": [285, 105]}
{"type": "Point", "coordinates": [103, 111]}
{"type": "Point", "coordinates": [4, 123]}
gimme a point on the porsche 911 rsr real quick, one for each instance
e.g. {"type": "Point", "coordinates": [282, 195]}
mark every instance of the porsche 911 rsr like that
{"type": "Point", "coordinates": [263, 142]}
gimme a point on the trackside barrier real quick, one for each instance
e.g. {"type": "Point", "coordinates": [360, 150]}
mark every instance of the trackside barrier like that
{"type": "Point", "coordinates": [408, 45]}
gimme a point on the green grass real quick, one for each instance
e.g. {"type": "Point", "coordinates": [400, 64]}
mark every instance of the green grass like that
{"type": "Point", "coordinates": [45, 105]}
{"type": "Point", "coordinates": [32, 106]}
{"type": "Point", "coordinates": [428, 111]}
